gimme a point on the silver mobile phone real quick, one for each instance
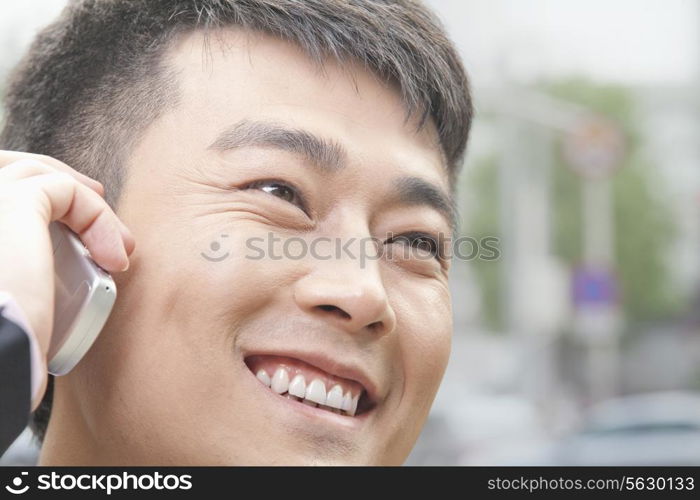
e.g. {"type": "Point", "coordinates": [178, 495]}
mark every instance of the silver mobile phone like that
{"type": "Point", "coordinates": [85, 294]}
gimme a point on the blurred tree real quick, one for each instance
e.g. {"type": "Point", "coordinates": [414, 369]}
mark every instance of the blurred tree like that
{"type": "Point", "coordinates": [482, 190]}
{"type": "Point", "coordinates": [644, 225]}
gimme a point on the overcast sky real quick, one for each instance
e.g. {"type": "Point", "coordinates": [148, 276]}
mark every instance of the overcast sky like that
{"type": "Point", "coordinates": [627, 41]}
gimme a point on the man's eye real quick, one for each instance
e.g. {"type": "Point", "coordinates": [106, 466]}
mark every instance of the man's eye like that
{"type": "Point", "coordinates": [280, 190]}
{"type": "Point", "coordinates": [418, 241]}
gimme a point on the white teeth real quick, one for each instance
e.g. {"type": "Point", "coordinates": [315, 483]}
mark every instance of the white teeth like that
{"type": "Point", "coordinates": [313, 395]}
{"type": "Point", "coordinates": [347, 402]}
{"type": "Point", "coordinates": [316, 392]}
{"type": "Point", "coordinates": [264, 377]}
{"type": "Point", "coordinates": [298, 386]}
{"type": "Point", "coordinates": [353, 407]}
{"type": "Point", "coordinates": [334, 399]}
{"type": "Point", "coordinates": [280, 381]}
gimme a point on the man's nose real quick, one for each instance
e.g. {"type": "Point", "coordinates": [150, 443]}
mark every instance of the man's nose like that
{"type": "Point", "coordinates": [347, 295]}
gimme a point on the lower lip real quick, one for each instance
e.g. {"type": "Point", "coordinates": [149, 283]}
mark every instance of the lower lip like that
{"type": "Point", "coordinates": [318, 415]}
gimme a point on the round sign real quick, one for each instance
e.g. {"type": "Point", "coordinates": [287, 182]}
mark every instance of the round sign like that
{"type": "Point", "coordinates": [595, 147]}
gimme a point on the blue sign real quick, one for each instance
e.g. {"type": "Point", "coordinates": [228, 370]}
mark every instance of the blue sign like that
{"type": "Point", "coordinates": [594, 287]}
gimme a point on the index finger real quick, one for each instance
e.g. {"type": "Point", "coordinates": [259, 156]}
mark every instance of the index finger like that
{"type": "Point", "coordinates": [7, 157]}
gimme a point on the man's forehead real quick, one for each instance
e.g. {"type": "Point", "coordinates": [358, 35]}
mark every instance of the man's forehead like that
{"type": "Point", "coordinates": [271, 66]}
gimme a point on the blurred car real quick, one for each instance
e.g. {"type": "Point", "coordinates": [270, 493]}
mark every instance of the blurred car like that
{"type": "Point", "coordinates": [481, 429]}
{"type": "Point", "coordinates": [646, 429]}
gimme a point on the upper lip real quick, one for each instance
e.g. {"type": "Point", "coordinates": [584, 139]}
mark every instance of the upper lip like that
{"type": "Point", "coordinates": [351, 371]}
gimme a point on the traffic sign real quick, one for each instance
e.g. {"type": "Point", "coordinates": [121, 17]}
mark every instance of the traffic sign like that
{"type": "Point", "coordinates": [595, 147]}
{"type": "Point", "coordinates": [594, 287]}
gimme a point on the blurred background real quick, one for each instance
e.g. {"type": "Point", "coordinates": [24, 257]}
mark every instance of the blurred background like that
{"type": "Point", "coordinates": [580, 344]}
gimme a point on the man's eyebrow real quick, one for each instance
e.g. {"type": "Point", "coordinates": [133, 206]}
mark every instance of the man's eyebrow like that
{"type": "Point", "coordinates": [417, 191]}
{"type": "Point", "coordinates": [322, 153]}
{"type": "Point", "coordinates": [330, 155]}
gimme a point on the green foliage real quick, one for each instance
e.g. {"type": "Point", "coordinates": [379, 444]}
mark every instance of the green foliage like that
{"type": "Point", "coordinates": [482, 184]}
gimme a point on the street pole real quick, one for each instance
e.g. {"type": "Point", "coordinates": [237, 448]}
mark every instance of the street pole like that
{"type": "Point", "coordinates": [595, 149]}
{"type": "Point", "coordinates": [599, 250]}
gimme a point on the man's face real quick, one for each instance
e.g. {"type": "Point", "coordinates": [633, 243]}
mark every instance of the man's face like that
{"type": "Point", "coordinates": [261, 144]}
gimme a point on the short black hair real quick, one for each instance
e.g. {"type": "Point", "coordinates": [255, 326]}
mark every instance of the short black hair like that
{"type": "Point", "coordinates": [95, 78]}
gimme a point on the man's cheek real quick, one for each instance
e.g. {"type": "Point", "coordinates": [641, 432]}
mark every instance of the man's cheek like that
{"type": "Point", "coordinates": [245, 267]}
{"type": "Point", "coordinates": [426, 348]}
{"type": "Point", "coordinates": [430, 356]}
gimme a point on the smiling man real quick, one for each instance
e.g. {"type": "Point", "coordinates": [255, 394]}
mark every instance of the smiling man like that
{"type": "Point", "coordinates": [212, 124]}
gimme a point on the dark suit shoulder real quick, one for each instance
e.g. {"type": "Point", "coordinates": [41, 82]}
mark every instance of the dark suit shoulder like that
{"type": "Point", "coordinates": [15, 382]}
